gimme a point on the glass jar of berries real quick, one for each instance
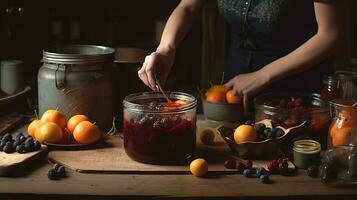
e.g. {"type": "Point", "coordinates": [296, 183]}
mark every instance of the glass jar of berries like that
{"type": "Point", "coordinates": [157, 131]}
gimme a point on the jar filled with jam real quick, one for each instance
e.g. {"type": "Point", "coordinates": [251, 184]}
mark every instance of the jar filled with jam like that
{"type": "Point", "coordinates": [157, 131]}
{"type": "Point", "coordinates": [343, 129]}
{"type": "Point", "coordinates": [332, 89]}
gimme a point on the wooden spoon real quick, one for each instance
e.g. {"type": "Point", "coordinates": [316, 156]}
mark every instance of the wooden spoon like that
{"type": "Point", "coordinates": [158, 86]}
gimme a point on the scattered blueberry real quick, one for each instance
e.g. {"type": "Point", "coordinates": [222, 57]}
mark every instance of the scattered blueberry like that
{"type": "Point", "coordinates": [267, 131]}
{"type": "Point", "coordinates": [8, 149]}
{"type": "Point", "coordinates": [271, 134]}
{"type": "Point", "coordinates": [36, 145]}
{"type": "Point", "coordinates": [264, 178]}
{"type": "Point", "coordinates": [260, 171]}
{"type": "Point", "coordinates": [7, 137]}
{"type": "Point", "coordinates": [259, 127]}
{"type": "Point", "coordinates": [52, 174]}
{"type": "Point", "coordinates": [29, 146]}
{"type": "Point", "coordinates": [312, 171]}
{"type": "Point", "coordinates": [279, 132]}
{"type": "Point", "coordinates": [20, 148]}
{"type": "Point", "coordinates": [240, 167]}
{"type": "Point", "coordinates": [247, 173]}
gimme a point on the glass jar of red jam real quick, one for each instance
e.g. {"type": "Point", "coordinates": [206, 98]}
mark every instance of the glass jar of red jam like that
{"type": "Point", "coordinates": [332, 89]}
{"type": "Point", "coordinates": [159, 132]}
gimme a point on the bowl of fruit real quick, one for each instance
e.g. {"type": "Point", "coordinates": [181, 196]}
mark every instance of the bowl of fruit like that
{"type": "Point", "coordinates": [259, 140]}
{"type": "Point", "coordinates": [159, 128]}
{"type": "Point", "coordinates": [222, 105]}
{"type": "Point", "coordinates": [291, 109]}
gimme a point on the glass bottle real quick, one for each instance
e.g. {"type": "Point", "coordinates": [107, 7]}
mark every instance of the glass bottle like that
{"type": "Point", "coordinates": [331, 89]}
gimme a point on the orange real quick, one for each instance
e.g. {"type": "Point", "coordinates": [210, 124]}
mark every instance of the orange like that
{"type": "Point", "coordinates": [207, 137]}
{"type": "Point", "coordinates": [31, 129]}
{"type": "Point", "coordinates": [54, 116]}
{"type": "Point", "coordinates": [199, 167]}
{"type": "Point", "coordinates": [175, 104]}
{"type": "Point", "coordinates": [232, 98]}
{"type": "Point", "coordinates": [245, 133]}
{"type": "Point", "coordinates": [216, 97]}
{"type": "Point", "coordinates": [49, 132]}
{"type": "Point", "coordinates": [341, 136]}
{"type": "Point", "coordinates": [86, 133]}
{"type": "Point", "coordinates": [74, 121]}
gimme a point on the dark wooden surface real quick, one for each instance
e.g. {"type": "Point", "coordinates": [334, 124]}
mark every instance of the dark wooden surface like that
{"type": "Point", "coordinates": [36, 185]}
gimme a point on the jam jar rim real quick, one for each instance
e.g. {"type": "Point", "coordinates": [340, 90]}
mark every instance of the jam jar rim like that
{"type": "Point", "coordinates": [134, 107]}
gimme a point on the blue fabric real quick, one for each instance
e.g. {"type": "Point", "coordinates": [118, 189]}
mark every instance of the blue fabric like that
{"type": "Point", "coordinates": [265, 30]}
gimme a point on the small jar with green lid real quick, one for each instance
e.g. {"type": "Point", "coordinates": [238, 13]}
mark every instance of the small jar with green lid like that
{"type": "Point", "coordinates": [306, 153]}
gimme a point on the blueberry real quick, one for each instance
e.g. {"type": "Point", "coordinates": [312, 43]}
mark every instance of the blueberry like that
{"type": "Point", "coordinates": [279, 132]}
{"type": "Point", "coordinates": [61, 171]}
{"type": "Point", "coordinates": [259, 127]}
{"type": "Point", "coordinates": [8, 149]}
{"type": "Point", "coordinates": [271, 134]}
{"type": "Point", "coordinates": [312, 171]}
{"type": "Point", "coordinates": [18, 135]}
{"type": "Point", "coordinates": [7, 137]}
{"type": "Point", "coordinates": [1, 137]}
{"type": "Point", "coordinates": [56, 166]}
{"type": "Point", "coordinates": [22, 139]}
{"type": "Point", "coordinates": [249, 122]}
{"type": "Point", "coordinates": [247, 173]}
{"type": "Point", "coordinates": [260, 171]}
{"type": "Point", "coordinates": [52, 174]}
{"type": "Point", "coordinates": [29, 140]}
{"type": "Point", "coordinates": [267, 131]}
{"type": "Point", "coordinates": [20, 148]}
{"type": "Point", "coordinates": [36, 145]}
{"type": "Point", "coordinates": [240, 167]}
{"type": "Point", "coordinates": [264, 178]}
{"type": "Point", "coordinates": [29, 146]}
{"type": "Point", "coordinates": [2, 143]}
{"type": "Point", "coordinates": [283, 167]}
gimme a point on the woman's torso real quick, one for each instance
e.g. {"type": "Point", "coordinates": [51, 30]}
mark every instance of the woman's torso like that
{"type": "Point", "coordinates": [265, 30]}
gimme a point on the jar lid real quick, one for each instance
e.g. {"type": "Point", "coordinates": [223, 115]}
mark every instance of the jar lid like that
{"type": "Point", "coordinates": [78, 54]}
{"type": "Point", "coordinates": [307, 146]}
{"type": "Point", "coordinates": [11, 63]}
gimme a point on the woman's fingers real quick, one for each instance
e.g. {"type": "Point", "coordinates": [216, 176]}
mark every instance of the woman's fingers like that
{"type": "Point", "coordinates": [142, 72]}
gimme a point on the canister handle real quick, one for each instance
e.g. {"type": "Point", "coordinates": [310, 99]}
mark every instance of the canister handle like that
{"type": "Point", "coordinates": [60, 76]}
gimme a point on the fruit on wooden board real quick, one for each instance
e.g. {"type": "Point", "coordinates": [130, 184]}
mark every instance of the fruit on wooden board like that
{"type": "Point", "coordinates": [245, 133]}
{"type": "Point", "coordinates": [199, 167]}
{"type": "Point", "coordinates": [86, 133]}
{"type": "Point", "coordinates": [54, 116]}
{"type": "Point", "coordinates": [49, 132]}
{"type": "Point", "coordinates": [31, 129]}
{"type": "Point", "coordinates": [74, 121]}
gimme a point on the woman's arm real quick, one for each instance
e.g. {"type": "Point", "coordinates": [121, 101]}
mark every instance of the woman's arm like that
{"type": "Point", "coordinates": [175, 30]}
{"type": "Point", "coordinates": [312, 52]}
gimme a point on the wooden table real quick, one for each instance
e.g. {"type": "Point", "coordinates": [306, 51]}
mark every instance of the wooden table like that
{"type": "Point", "coordinates": [36, 185]}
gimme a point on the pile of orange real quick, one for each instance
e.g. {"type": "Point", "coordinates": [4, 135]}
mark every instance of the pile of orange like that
{"type": "Point", "coordinates": [221, 94]}
{"type": "Point", "coordinates": [54, 128]}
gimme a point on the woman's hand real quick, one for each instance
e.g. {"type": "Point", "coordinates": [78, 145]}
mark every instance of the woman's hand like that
{"type": "Point", "coordinates": [246, 85]}
{"type": "Point", "coordinates": [161, 60]}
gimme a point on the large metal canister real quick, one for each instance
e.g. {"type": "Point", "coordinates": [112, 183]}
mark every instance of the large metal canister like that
{"type": "Point", "coordinates": [77, 79]}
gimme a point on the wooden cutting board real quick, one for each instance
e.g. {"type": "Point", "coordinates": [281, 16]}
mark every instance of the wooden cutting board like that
{"type": "Point", "coordinates": [16, 164]}
{"type": "Point", "coordinates": [111, 158]}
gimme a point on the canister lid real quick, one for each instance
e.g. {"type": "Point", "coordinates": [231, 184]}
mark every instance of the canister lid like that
{"type": "Point", "coordinates": [78, 54]}
{"type": "Point", "coordinates": [307, 146]}
{"type": "Point", "coordinates": [11, 63]}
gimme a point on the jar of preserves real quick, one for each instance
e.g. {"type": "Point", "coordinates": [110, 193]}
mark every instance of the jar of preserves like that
{"type": "Point", "coordinates": [343, 129]}
{"type": "Point", "coordinates": [158, 132]}
{"type": "Point", "coordinates": [332, 89]}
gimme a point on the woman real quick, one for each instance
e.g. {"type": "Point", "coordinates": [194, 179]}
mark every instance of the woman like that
{"type": "Point", "coordinates": [276, 45]}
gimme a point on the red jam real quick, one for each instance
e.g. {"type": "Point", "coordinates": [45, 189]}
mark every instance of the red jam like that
{"type": "Point", "coordinates": [162, 137]}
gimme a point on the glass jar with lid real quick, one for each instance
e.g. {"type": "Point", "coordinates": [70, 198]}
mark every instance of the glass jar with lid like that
{"type": "Point", "coordinates": [158, 132]}
{"type": "Point", "coordinates": [343, 129]}
{"type": "Point", "coordinates": [332, 89]}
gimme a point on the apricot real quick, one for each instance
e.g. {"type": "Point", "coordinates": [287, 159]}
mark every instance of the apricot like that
{"type": "Point", "coordinates": [199, 167]}
{"type": "Point", "coordinates": [86, 133]}
{"type": "Point", "coordinates": [49, 132]}
{"type": "Point", "coordinates": [54, 116]}
{"type": "Point", "coordinates": [75, 120]}
{"type": "Point", "coordinates": [31, 129]}
{"type": "Point", "coordinates": [232, 98]}
{"type": "Point", "coordinates": [245, 133]}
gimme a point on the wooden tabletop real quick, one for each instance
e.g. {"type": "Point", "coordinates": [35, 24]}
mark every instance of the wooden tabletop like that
{"type": "Point", "coordinates": [76, 185]}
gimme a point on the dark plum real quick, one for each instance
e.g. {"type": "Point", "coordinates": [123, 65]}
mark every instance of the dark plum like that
{"type": "Point", "coordinates": [230, 164]}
